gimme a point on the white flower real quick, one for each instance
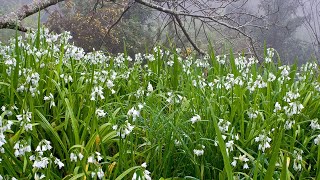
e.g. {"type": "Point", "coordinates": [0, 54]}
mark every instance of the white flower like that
{"type": "Point", "coordinates": [28, 127]}
{"type": "Point", "coordinates": [277, 107]}
{"type": "Point", "coordinates": [100, 113]}
{"type": "Point", "coordinates": [288, 124]}
{"type": "Point", "coordinates": [134, 177]}
{"type": "Point", "coordinates": [221, 60]}
{"type": "Point", "coordinates": [170, 63]}
{"type": "Point", "coordinates": [100, 173]}
{"type": "Point", "coordinates": [252, 114]}
{"type": "Point", "coordinates": [110, 84]}
{"type": "Point", "coordinates": [259, 82]}
{"type": "Point", "coordinates": [234, 163]}
{"type": "Point", "coordinates": [80, 156]}
{"type": "Point", "coordinates": [223, 125]}
{"type": "Point", "coordinates": [125, 130]}
{"type": "Point", "coordinates": [21, 147]}
{"type": "Point", "coordinates": [270, 52]}
{"type": "Point", "coordinates": [66, 78]}
{"type": "Point", "coordinates": [229, 145]}
{"type": "Point", "coordinates": [317, 140]}
{"type": "Point", "coordinates": [139, 93]}
{"type": "Point", "coordinates": [97, 92]}
{"type": "Point", "coordinates": [198, 152]}
{"type": "Point", "coordinates": [314, 124]}
{"type": "Point", "coordinates": [264, 142]}
{"type": "Point", "coordinates": [115, 127]}
{"type": "Point", "coordinates": [245, 166]}
{"type": "Point", "coordinates": [236, 137]}
{"type": "Point", "coordinates": [146, 174]}
{"type": "Point", "coordinates": [271, 77]}
{"type": "Point", "coordinates": [51, 99]}
{"type": "Point", "coordinates": [144, 165]}
{"type": "Point", "coordinates": [177, 142]}
{"type": "Point", "coordinates": [149, 88]}
{"type": "Point", "coordinates": [43, 146]}
{"type": "Point", "coordinates": [134, 113]}
{"type": "Point", "coordinates": [41, 163]}
{"type": "Point", "coordinates": [291, 96]}
{"type": "Point", "coordinates": [59, 163]}
{"type": "Point", "coordinates": [297, 163]}
{"type": "Point", "coordinates": [243, 158]}
{"type": "Point", "coordinates": [140, 106]}
{"type": "Point", "coordinates": [91, 159]}
{"type": "Point", "coordinates": [98, 155]}
{"type": "Point", "coordinates": [25, 116]}
{"type": "Point", "coordinates": [93, 174]}
{"type": "Point", "coordinates": [32, 158]}
{"type": "Point", "coordinates": [268, 60]}
{"type": "Point", "coordinates": [37, 176]}
{"type": "Point", "coordinates": [73, 157]}
{"type": "Point", "coordinates": [293, 108]}
{"type": "Point", "coordinates": [195, 119]}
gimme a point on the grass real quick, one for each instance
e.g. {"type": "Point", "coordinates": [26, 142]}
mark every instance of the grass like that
{"type": "Point", "coordinates": [71, 115]}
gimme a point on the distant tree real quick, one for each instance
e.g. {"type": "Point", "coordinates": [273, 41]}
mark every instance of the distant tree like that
{"type": "Point", "coordinates": [91, 28]}
{"type": "Point", "coordinates": [191, 18]}
{"type": "Point", "coordinates": [281, 24]}
{"type": "Point", "coordinates": [311, 14]}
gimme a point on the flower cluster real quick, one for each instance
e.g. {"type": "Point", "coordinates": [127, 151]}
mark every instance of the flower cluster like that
{"type": "Point", "coordinates": [97, 173]}
{"type": "Point", "coordinates": [142, 173]}
{"type": "Point", "coordinates": [199, 151]}
{"type": "Point", "coordinates": [21, 148]}
{"type": "Point", "coordinates": [31, 82]}
{"type": "Point", "coordinates": [40, 161]}
{"type": "Point", "coordinates": [264, 141]}
{"type": "Point", "coordinates": [100, 113]}
{"type": "Point", "coordinates": [94, 158]}
{"type": "Point", "coordinates": [51, 99]}
{"type": "Point", "coordinates": [5, 125]}
{"type": "Point", "coordinates": [297, 163]}
{"type": "Point", "coordinates": [123, 130]}
{"type": "Point", "coordinates": [270, 54]}
{"type": "Point", "coordinates": [135, 112]}
{"type": "Point", "coordinates": [97, 91]}
{"type": "Point", "coordinates": [74, 156]}
{"type": "Point", "coordinates": [242, 159]}
{"type": "Point", "coordinates": [25, 120]}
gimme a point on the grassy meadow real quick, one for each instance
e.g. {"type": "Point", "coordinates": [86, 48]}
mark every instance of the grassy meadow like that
{"type": "Point", "coordinates": [67, 114]}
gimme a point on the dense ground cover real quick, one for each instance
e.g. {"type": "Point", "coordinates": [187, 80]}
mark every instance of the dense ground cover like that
{"type": "Point", "coordinates": [70, 115]}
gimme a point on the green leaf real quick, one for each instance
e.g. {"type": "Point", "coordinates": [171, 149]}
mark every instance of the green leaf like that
{"type": "Point", "coordinates": [124, 174]}
{"type": "Point", "coordinates": [274, 156]}
{"type": "Point", "coordinates": [46, 125]}
{"type": "Point", "coordinates": [74, 122]}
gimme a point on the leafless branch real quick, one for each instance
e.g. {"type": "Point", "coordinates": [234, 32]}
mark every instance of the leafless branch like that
{"type": "Point", "coordinates": [120, 17]}
{"type": "Point", "coordinates": [177, 13]}
{"type": "Point", "coordinates": [187, 35]}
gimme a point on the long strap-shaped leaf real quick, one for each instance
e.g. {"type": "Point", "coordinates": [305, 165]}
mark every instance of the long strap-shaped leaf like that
{"type": "Point", "coordinates": [124, 174]}
{"type": "Point", "coordinates": [274, 157]}
{"type": "Point", "coordinates": [45, 123]}
{"type": "Point", "coordinates": [222, 145]}
{"type": "Point", "coordinates": [74, 122]}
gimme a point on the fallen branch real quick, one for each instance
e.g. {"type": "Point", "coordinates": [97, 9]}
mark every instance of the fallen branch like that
{"type": "Point", "coordinates": [14, 19]}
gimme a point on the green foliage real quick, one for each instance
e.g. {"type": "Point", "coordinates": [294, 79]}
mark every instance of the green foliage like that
{"type": "Point", "coordinates": [67, 114]}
